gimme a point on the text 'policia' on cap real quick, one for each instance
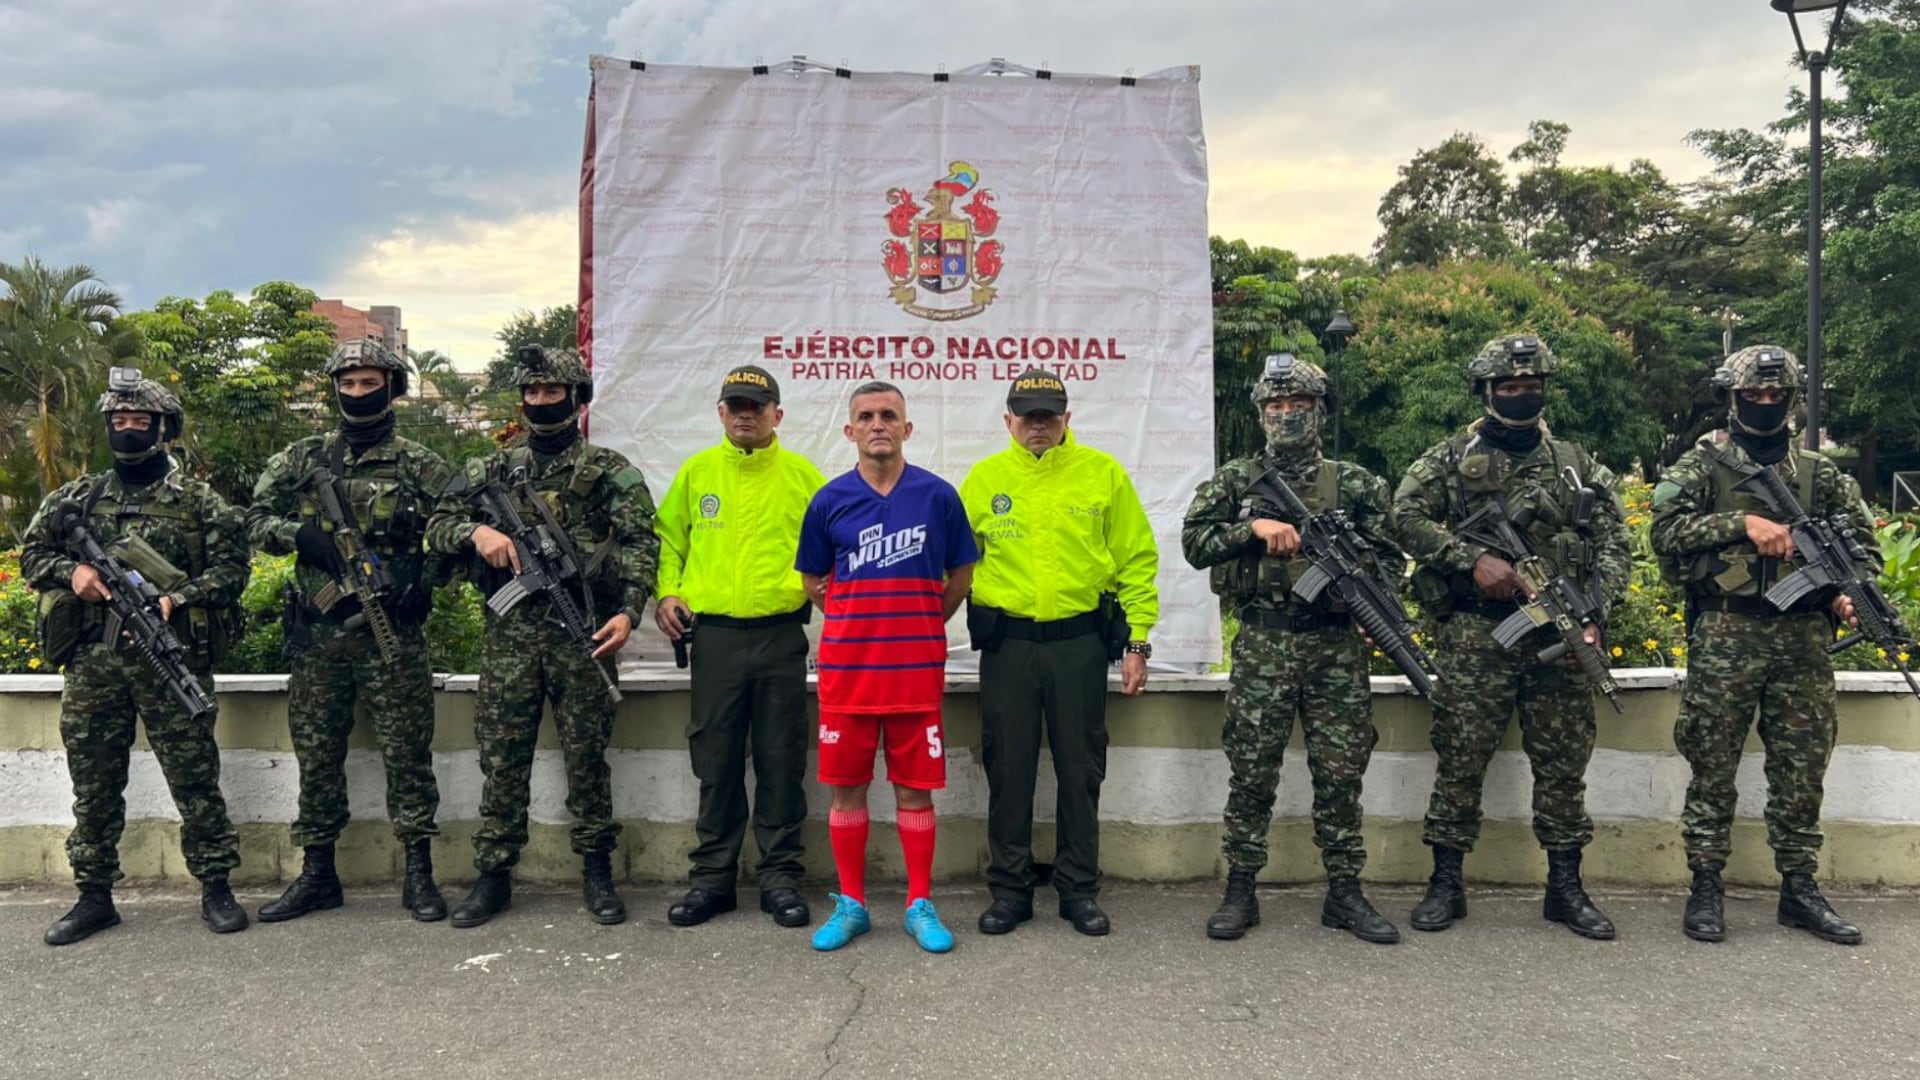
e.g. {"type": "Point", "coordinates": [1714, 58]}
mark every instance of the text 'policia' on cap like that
{"type": "Point", "coordinates": [752, 383]}
{"type": "Point", "coordinates": [1037, 391]}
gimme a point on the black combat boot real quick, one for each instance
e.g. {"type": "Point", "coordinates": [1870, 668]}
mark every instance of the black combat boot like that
{"type": "Point", "coordinates": [420, 895]}
{"type": "Point", "coordinates": [1802, 906]}
{"type": "Point", "coordinates": [1346, 908]}
{"type": "Point", "coordinates": [491, 895]}
{"type": "Point", "coordinates": [1239, 909]}
{"type": "Point", "coordinates": [1446, 898]}
{"type": "Point", "coordinates": [603, 903]}
{"type": "Point", "coordinates": [1706, 915]}
{"type": "Point", "coordinates": [222, 913]}
{"type": "Point", "coordinates": [93, 912]}
{"type": "Point", "coordinates": [1567, 900]}
{"type": "Point", "coordinates": [316, 889]}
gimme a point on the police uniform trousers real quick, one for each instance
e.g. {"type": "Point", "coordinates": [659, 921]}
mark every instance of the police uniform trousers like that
{"type": "Point", "coordinates": [749, 679]}
{"type": "Point", "coordinates": [1059, 687]}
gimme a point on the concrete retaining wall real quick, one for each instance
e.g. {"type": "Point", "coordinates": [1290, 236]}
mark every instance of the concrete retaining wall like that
{"type": "Point", "coordinates": [1166, 784]}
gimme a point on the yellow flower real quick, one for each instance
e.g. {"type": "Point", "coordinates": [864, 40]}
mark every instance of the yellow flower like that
{"type": "Point", "coordinates": [1678, 617]}
{"type": "Point", "coordinates": [1903, 657]}
{"type": "Point", "coordinates": [34, 663]}
{"type": "Point", "coordinates": [1634, 587]}
{"type": "Point", "coordinates": [1882, 652]}
{"type": "Point", "coordinates": [1618, 651]}
{"type": "Point", "coordinates": [1652, 645]}
{"type": "Point", "coordinates": [1678, 651]}
{"type": "Point", "coordinates": [173, 377]}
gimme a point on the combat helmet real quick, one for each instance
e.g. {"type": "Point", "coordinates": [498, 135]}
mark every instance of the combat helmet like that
{"type": "Point", "coordinates": [1510, 356]}
{"type": "Point", "coordinates": [1286, 375]}
{"type": "Point", "coordinates": [369, 353]}
{"type": "Point", "coordinates": [128, 391]}
{"type": "Point", "coordinates": [542, 365]}
{"type": "Point", "coordinates": [1760, 367]}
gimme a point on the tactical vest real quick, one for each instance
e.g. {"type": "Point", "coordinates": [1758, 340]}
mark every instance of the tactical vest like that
{"type": "Point", "coordinates": [1261, 580]}
{"type": "Point", "coordinates": [572, 495]}
{"type": "Point", "coordinates": [1540, 503]}
{"type": "Point", "coordinates": [1737, 569]}
{"type": "Point", "coordinates": [169, 558]}
{"type": "Point", "coordinates": [391, 517]}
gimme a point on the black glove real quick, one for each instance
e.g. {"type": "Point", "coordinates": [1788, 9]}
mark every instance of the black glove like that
{"type": "Point", "coordinates": [317, 550]}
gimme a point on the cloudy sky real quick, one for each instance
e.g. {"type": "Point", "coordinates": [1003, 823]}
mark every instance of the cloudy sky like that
{"type": "Point", "coordinates": [426, 152]}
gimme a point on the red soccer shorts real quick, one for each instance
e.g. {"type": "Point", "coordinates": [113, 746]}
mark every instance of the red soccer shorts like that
{"type": "Point", "coordinates": [916, 749]}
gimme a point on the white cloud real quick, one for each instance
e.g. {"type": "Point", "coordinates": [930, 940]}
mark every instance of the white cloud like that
{"type": "Point", "coordinates": [457, 286]}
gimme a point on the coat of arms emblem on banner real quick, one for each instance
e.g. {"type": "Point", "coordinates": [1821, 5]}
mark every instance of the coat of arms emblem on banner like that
{"type": "Point", "coordinates": [941, 251]}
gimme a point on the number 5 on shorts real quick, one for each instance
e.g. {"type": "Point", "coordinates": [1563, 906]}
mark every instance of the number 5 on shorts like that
{"type": "Point", "coordinates": [934, 749]}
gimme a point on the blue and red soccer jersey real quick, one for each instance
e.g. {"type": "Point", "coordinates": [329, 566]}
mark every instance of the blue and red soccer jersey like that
{"type": "Point", "coordinates": [884, 646]}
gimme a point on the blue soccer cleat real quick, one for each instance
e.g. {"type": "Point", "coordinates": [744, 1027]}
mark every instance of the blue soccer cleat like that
{"type": "Point", "coordinates": [848, 921]}
{"type": "Point", "coordinates": [924, 924]}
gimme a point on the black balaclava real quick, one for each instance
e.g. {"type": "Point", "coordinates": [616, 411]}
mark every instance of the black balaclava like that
{"type": "Point", "coordinates": [366, 421]}
{"type": "Point", "coordinates": [1513, 424]}
{"type": "Point", "coordinates": [552, 427]}
{"type": "Point", "coordinates": [137, 455]}
{"type": "Point", "coordinates": [1761, 430]}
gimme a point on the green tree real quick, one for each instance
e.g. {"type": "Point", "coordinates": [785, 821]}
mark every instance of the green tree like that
{"type": "Point", "coordinates": [554, 327]}
{"type": "Point", "coordinates": [59, 332]}
{"type": "Point", "coordinates": [247, 372]}
{"type": "Point", "coordinates": [1446, 205]}
{"type": "Point", "coordinates": [1872, 216]}
{"type": "Point", "coordinates": [1404, 376]}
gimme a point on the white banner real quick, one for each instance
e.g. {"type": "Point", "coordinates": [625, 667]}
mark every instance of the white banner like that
{"type": "Point", "coordinates": [940, 233]}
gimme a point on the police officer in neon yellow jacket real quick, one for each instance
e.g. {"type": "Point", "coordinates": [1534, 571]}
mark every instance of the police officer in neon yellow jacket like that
{"type": "Point", "coordinates": [729, 527]}
{"type": "Point", "coordinates": [1066, 574]}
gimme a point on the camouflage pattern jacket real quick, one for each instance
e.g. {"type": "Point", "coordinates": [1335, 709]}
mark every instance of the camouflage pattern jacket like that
{"type": "Point", "coordinates": [179, 517]}
{"type": "Point", "coordinates": [1451, 481]}
{"type": "Point", "coordinates": [599, 498]}
{"type": "Point", "coordinates": [391, 490]}
{"type": "Point", "coordinates": [1218, 532]}
{"type": "Point", "coordinates": [1699, 519]}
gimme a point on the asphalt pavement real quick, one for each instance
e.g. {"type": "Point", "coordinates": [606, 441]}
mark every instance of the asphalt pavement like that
{"type": "Point", "coordinates": [543, 993]}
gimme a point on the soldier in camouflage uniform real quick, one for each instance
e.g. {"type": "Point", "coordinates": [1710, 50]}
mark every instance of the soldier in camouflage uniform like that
{"type": "Point", "coordinates": [1509, 455]}
{"type": "Point", "coordinates": [201, 548]}
{"type": "Point", "coordinates": [1292, 659]}
{"type": "Point", "coordinates": [391, 484]}
{"type": "Point", "coordinates": [602, 504]}
{"type": "Point", "coordinates": [1726, 549]}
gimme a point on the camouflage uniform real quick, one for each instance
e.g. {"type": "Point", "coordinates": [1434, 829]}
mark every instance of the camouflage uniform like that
{"type": "Point", "coordinates": [392, 487]}
{"type": "Point", "coordinates": [194, 529]}
{"type": "Point", "coordinates": [1291, 659]}
{"type": "Point", "coordinates": [191, 547]}
{"type": "Point", "coordinates": [1743, 656]}
{"type": "Point", "coordinates": [1481, 685]}
{"type": "Point", "coordinates": [602, 504]}
{"type": "Point", "coordinates": [526, 657]}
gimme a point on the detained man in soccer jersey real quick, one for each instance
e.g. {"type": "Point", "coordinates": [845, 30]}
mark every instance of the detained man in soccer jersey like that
{"type": "Point", "coordinates": [886, 551]}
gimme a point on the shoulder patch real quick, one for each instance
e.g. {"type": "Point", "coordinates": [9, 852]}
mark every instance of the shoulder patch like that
{"type": "Point", "coordinates": [627, 478]}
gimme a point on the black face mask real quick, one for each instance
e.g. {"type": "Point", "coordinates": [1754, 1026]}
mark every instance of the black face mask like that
{"type": "Point", "coordinates": [1519, 410]}
{"type": "Point", "coordinates": [133, 446]}
{"type": "Point", "coordinates": [1763, 449]}
{"type": "Point", "coordinates": [367, 407]}
{"type": "Point", "coordinates": [547, 419]}
{"type": "Point", "coordinates": [1517, 441]}
{"type": "Point", "coordinates": [1758, 419]}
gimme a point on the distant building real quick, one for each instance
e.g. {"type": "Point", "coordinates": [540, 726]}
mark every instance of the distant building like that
{"type": "Point", "coordinates": [381, 321]}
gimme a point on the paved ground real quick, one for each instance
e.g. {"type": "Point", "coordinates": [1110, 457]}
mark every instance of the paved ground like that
{"type": "Point", "coordinates": [542, 993]}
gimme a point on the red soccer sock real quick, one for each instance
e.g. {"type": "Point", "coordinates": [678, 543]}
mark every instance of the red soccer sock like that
{"type": "Point", "coordinates": [916, 849]}
{"type": "Point", "coordinates": [847, 832]}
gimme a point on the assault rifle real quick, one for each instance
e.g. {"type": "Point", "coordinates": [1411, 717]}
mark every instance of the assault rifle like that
{"type": "Point", "coordinates": [549, 565]}
{"type": "Point", "coordinates": [1334, 549]}
{"type": "Point", "coordinates": [1829, 555]}
{"type": "Point", "coordinates": [363, 575]}
{"type": "Point", "coordinates": [134, 609]}
{"type": "Point", "coordinates": [1553, 599]}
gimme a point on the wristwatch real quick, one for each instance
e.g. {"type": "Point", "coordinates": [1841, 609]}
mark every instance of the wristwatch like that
{"type": "Point", "coordinates": [1141, 649]}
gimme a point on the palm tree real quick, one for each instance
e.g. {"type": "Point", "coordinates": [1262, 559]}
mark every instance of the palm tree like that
{"type": "Point", "coordinates": [55, 324]}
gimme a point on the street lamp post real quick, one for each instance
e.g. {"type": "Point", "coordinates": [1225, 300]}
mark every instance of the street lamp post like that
{"type": "Point", "coordinates": [1816, 65]}
{"type": "Point", "coordinates": [1338, 331]}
